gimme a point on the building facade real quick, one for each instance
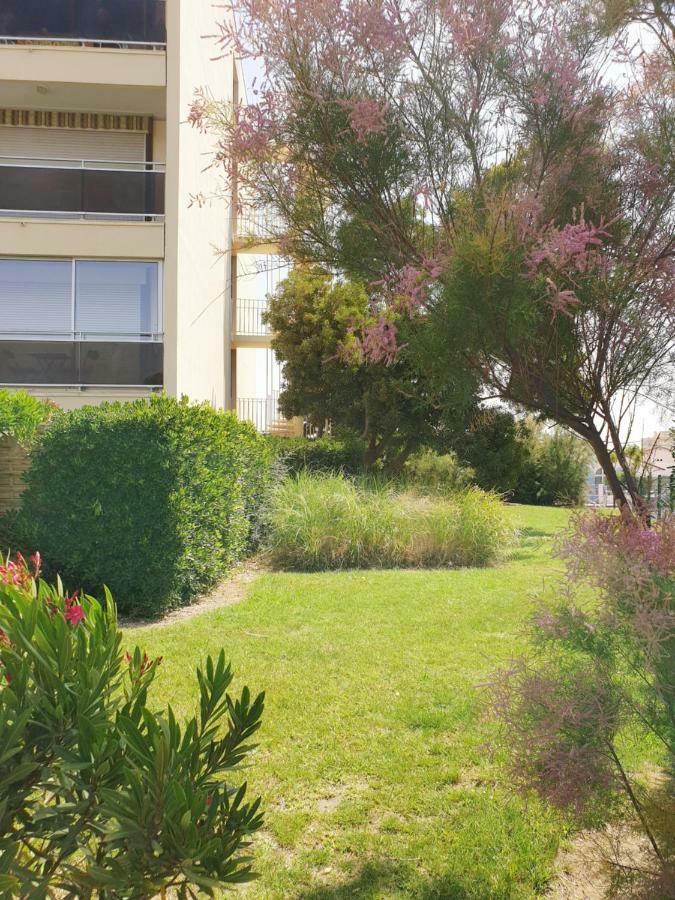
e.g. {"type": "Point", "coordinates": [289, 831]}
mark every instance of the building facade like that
{"type": "Point", "coordinates": [114, 282]}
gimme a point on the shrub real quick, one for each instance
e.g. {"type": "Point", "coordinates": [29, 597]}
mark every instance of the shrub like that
{"type": "Point", "coordinates": [22, 415]}
{"type": "Point", "coordinates": [435, 473]}
{"type": "Point", "coordinates": [101, 795]}
{"type": "Point", "coordinates": [328, 522]}
{"type": "Point", "coordinates": [497, 448]}
{"type": "Point", "coordinates": [603, 675]}
{"type": "Point", "coordinates": [154, 499]}
{"type": "Point", "coordinates": [328, 455]}
{"type": "Point", "coordinates": [556, 472]}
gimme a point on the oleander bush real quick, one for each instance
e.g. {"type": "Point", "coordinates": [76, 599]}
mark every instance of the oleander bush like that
{"type": "Point", "coordinates": [100, 794]}
{"type": "Point", "coordinates": [325, 454]}
{"type": "Point", "coordinates": [320, 522]}
{"type": "Point", "coordinates": [154, 499]}
{"type": "Point", "coordinates": [22, 415]}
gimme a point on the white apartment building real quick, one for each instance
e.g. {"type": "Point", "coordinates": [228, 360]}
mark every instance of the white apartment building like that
{"type": "Point", "coordinates": [113, 284]}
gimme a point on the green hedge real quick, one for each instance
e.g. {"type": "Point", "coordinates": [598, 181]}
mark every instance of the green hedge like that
{"type": "Point", "coordinates": [155, 499]}
{"type": "Point", "coordinates": [326, 455]}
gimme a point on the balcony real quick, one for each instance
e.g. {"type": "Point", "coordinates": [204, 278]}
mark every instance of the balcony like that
{"type": "Point", "coordinates": [249, 318]}
{"type": "Point", "coordinates": [123, 23]}
{"type": "Point", "coordinates": [264, 413]}
{"type": "Point", "coordinates": [63, 191]}
{"type": "Point", "coordinates": [257, 229]}
{"type": "Point", "coordinates": [85, 363]}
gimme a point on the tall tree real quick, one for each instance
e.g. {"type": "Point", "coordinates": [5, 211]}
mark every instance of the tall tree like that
{"type": "Point", "coordinates": [502, 174]}
{"type": "Point", "coordinates": [313, 318]}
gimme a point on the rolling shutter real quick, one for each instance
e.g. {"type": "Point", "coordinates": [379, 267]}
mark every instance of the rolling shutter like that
{"type": "Point", "coordinates": [31, 146]}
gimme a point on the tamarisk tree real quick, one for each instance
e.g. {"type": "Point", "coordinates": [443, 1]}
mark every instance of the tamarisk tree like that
{"type": "Point", "coordinates": [501, 174]}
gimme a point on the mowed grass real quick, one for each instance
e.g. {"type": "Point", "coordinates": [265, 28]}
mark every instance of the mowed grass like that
{"type": "Point", "coordinates": [374, 760]}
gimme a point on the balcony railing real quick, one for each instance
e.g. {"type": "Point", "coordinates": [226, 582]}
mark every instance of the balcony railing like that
{"type": "Point", "coordinates": [70, 191]}
{"type": "Point", "coordinates": [107, 22]}
{"type": "Point", "coordinates": [258, 225]}
{"type": "Point", "coordinates": [263, 412]}
{"type": "Point", "coordinates": [249, 318]}
{"type": "Point", "coordinates": [92, 363]}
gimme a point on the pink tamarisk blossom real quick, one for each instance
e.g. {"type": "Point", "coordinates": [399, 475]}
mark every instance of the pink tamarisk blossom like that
{"type": "Point", "coordinates": [366, 117]}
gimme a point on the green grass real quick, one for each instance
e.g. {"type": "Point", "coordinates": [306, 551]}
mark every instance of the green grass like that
{"type": "Point", "coordinates": [373, 764]}
{"type": "Point", "coordinates": [323, 522]}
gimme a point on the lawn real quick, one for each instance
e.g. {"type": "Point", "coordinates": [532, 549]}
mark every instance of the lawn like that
{"type": "Point", "coordinates": [373, 760]}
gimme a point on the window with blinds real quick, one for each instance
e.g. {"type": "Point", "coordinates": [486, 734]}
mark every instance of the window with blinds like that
{"type": "Point", "coordinates": [36, 297]}
{"type": "Point", "coordinates": [119, 298]}
{"type": "Point", "coordinates": [80, 300]}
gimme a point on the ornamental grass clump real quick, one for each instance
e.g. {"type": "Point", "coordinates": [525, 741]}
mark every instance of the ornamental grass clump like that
{"type": "Point", "coordinates": [602, 677]}
{"type": "Point", "coordinates": [101, 795]}
{"type": "Point", "coordinates": [321, 522]}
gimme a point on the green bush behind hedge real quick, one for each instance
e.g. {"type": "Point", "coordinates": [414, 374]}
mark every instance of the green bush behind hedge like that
{"type": "Point", "coordinates": [327, 455]}
{"type": "Point", "coordinates": [153, 498]}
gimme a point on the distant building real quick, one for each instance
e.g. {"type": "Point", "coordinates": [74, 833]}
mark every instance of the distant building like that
{"type": "Point", "coordinates": [598, 492]}
{"type": "Point", "coordinates": [657, 454]}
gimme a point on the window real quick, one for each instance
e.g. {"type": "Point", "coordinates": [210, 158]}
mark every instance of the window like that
{"type": "Point", "coordinates": [119, 298]}
{"type": "Point", "coordinates": [36, 297]}
{"type": "Point", "coordinates": [80, 322]}
{"type": "Point", "coordinates": [80, 300]}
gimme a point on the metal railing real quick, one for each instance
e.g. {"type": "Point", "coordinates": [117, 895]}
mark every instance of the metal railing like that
{"type": "Point", "coordinates": [64, 162]}
{"type": "Point", "coordinates": [258, 224]}
{"type": "Point", "coordinates": [263, 412]}
{"type": "Point", "coordinates": [249, 317]}
{"type": "Point", "coordinates": [79, 190]}
{"type": "Point", "coordinates": [116, 23]}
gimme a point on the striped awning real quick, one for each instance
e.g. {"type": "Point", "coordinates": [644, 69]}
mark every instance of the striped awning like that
{"type": "Point", "coordinates": [35, 118]}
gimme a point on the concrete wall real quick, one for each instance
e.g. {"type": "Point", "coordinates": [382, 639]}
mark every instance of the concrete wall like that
{"type": "Point", "coordinates": [197, 276]}
{"type": "Point", "coordinates": [58, 238]}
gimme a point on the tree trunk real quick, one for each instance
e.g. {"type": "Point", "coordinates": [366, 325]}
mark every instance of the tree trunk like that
{"type": "Point", "coordinates": [604, 457]}
{"type": "Point", "coordinates": [631, 484]}
{"type": "Point", "coordinates": [396, 465]}
{"type": "Point", "coordinates": [373, 452]}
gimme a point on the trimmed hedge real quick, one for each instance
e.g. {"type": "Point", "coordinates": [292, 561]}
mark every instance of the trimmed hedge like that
{"type": "Point", "coordinates": [155, 499]}
{"type": "Point", "coordinates": [326, 455]}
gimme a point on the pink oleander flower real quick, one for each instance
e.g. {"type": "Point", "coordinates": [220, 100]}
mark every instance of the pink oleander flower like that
{"type": "Point", "coordinates": [74, 613]}
{"type": "Point", "coordinates": [16, 573]}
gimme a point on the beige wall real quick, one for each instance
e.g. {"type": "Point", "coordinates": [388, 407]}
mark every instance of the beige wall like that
{"type": "Point", "coordinates": [196, 302]}
{"type": "Point", "coordinates": [51, 237]}
{"type": "Point", "coordinates": [159, 140]}
{"type": "Point", "coordinates": [82, 65]}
